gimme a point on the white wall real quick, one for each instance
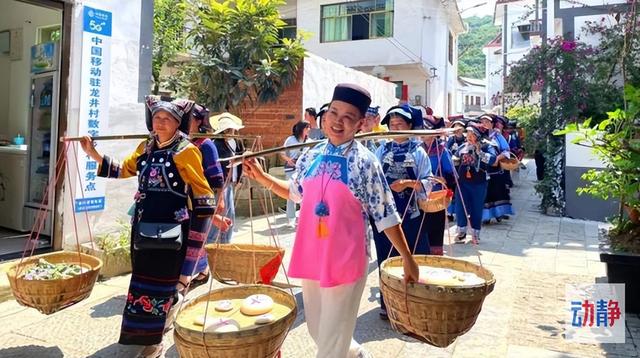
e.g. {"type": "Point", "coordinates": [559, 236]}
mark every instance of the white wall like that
{"type": "Point", "coordinates": [579, 23]}
{"type": "Point", "coordinates": [580, 156]}
{"type": "Point", "coordinates": [321, 76]}
{"type": "Point", "coordinates": [14, 75]}
{"type": "Point", "coordinates": [365, 52]}
{"type": "Point", "coordinates": [125, 114]}
{"type": "Point", "coordinates": [571, 4]}
{"type": "Point", "coordinates": [493, 64]}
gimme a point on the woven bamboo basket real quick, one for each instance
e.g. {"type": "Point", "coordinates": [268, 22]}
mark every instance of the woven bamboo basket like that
{"type": "Point", "coordinates": [240, 263]}
{"type": "Point", "coordinates": [437, 200]}
{"type": "Point", "coordinates": [261, 342]}
{"type": "Point", "coordinates": [434, 314]}
{"type": "Point", "coordinates": [510, 164]}
{"type": "Point", "coordinates": [49, 296]}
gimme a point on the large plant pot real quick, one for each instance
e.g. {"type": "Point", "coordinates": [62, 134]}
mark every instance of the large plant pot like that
{"type": "Point", "coordinates": [623, 268]}
{"type": "Point", "coordinates": [114, 263]}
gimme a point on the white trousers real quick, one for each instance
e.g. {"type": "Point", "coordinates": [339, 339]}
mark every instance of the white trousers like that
{"type": "Point", "coordinates": [331, 314]}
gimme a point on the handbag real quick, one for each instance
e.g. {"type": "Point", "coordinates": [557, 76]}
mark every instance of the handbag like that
{"type": "Point", "coordinates": [158, 236]}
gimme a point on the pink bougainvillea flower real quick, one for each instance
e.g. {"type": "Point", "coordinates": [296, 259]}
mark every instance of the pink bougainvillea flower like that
{"type": "Point", "coordinates": [568, 46]}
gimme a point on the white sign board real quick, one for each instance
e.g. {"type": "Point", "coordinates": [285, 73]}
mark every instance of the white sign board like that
{"type": "Point", "coordinates": [94, 102]}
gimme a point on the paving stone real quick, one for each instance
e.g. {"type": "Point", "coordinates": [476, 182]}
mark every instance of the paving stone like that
{"type": "Point", "coordinates": [531, 256]}
{"type": "Point", "coordinates": [18, 346]}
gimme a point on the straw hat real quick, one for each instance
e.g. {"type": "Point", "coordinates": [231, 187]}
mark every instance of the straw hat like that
{"type": "Point", "coordinates": [224, 121]}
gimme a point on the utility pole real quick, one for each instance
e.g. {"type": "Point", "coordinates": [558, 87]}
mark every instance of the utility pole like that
{"type": "Point", "coordinates": [543, 45]}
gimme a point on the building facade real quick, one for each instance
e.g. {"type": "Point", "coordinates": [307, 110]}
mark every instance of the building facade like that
{"type": "Point", "coordinates": [471, 97]}
{"type": "Point", "coordinates": [410, 43]}
{"type": "Point", "coordinates": [564, 18]}
{"type": "Point", "coordinates": [73, 68]}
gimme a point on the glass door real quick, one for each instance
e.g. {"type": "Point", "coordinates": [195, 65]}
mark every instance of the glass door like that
{"type": "Point", "coordinates": [40, 135]}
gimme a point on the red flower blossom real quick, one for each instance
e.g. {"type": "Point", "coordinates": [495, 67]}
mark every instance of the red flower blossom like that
{"type": "Point", "coordinates": [146, 303]}
{"type": "Point", "coordinates": [129, 298]}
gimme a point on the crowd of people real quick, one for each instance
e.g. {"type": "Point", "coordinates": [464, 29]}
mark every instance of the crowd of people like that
{"type": "Point", "coordinates": [349, 192]}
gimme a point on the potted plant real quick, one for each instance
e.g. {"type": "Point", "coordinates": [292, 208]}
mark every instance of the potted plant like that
{"type": "Point", "coordinates": [616, 140]}
{"type": "Point", "coordinates": [113, 249]}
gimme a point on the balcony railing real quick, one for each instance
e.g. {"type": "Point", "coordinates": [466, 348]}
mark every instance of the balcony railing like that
{"type": "Point", "coordinates": [472, 107]}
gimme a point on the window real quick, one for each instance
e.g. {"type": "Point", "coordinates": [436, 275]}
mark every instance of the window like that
{"type": "Point", "coordinates": [288, 31]}
{"type": "Point", "coordinates": [450, 48]}
{"type": "Point", "coordinates": [398, 88]}
{"type": "Point", "coordinates": [48, 33]}
{"type": "Point", "coordinates": [357, 20]}
{"type": "Point", "coordinates": [477, 100]}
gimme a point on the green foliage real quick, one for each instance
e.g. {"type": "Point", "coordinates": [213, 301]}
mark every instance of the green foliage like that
{"type": "Point", "coordinates": [579, 82]}
{"type": "Point", "coordinates": [616, 141]}
{"type": "Point", "coordinates": [237, 54]}
{"type": "Point", "coordinates": [118, 240]}
{"type": "Point", "coordinates": [168, 35]}
{"type": "Point", "coordinates": [471, 60]}
{"type": "Point", "coordinates": [562, 67]}
{"type": "Point", "coordinates": [527, 117]}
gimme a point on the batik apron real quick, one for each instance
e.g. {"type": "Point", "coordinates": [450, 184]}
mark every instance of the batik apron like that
{"type": "Point", "coordinates": [330, 241]}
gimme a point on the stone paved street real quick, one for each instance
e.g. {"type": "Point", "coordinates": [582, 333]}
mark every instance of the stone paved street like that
{"type": "Point", "coordinates": [532, 256]}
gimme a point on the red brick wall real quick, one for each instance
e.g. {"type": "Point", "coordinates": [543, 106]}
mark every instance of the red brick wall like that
{"type": "Point", "coordinates": [273, 121]}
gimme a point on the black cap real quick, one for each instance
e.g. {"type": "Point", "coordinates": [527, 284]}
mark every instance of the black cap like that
{"type": "Point", "coordinates": [354, 95]}
{"type": "Point", "coordinates": [478, 130]}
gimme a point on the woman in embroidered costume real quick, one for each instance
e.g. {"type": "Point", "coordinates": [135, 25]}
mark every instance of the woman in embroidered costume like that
{"type": "Point", "coordinates": [339, 184]}
{"type": "Point", "coordinates": [441, 166]}
{"type": "Point", "coordinates": [171, 187]}
{"type": "Point", "coordinates": [476, 156]}
{"type": "Point", "coordinates": [199, 123]}
{"type": "Point", "coordinates": [407, 170]}
{"type": "Point", "coordinates": [497, 204]}
{"type": "Point", "coordinates": [454, 143]}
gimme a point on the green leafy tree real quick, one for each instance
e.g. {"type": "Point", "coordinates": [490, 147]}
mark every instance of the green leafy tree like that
{"type": "Point", "coordinates": [471, 59]}
{"type": "Point", "coordinates": [237, 54]}
{"type": "Point", "coordinates": [168, 35]}
{"type": "Point", "coordinates": [616, 141]}
{"type": "Point", "coordinates": [580, 81]}
{"type": "Point", "coordinates": [527, 117]}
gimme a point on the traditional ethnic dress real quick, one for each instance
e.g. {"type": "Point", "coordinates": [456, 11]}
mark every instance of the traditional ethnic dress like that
{"type": "Point", "coordinates": [171, 185]}
{"type": "Point", "coordinates": [406, 160]}
{"type": "Point", "coordinates": [339, 188]}
{"type": "Point", "coordinates": [454, 143]}
{"type": "Point", "coordinates": [441, 166]}
{"type": "Point", "coordinates": [215, 178]}
{"type": "Point", "coordinates": [498, 201]}
{"type": "Point", "coordinates": [472, 188]}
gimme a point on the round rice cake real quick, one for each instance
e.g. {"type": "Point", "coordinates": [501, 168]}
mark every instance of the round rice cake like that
{"type": "Point", "coordinates": [265, 318]}
{"type": "Point", "coordinates": [221, 325]}
{"type": "Point", "coordinates": [224, 306]}
{"type": "Point", "coordinates": [256, 305]}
